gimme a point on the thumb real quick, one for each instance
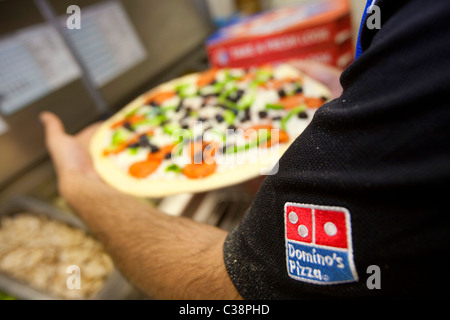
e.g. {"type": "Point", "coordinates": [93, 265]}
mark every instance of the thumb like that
{"type": "Point", "coordinates": [52, 124]}
{"type": "Point", "coordinates": [54, 131]}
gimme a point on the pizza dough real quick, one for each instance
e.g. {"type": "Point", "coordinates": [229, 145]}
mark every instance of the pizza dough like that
{"type": "Point", "coordinates": [199, 110]}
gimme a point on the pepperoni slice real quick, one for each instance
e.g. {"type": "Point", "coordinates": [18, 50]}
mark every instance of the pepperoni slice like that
{"type": "Point", "coordinates": [159, 97]}
{"type": "Point", "coordinates": [200, 170]}
{"type": "Point", "coordinates": [283, 136]}
{"type": "Point", "coordinates": [202, 151]}
{"type": "Point", "coordinates": [207, 77]}
{"type": "Point", "coordinates": [291, 102]}
{"type": "Point", "coordinates": [161, 154]}
{"type": "Point", "coordinates": [314, 102]}
{"type": "Point", "coordinates": [143, 169]}
{"type": "Point", "coordinates": [135, 118]}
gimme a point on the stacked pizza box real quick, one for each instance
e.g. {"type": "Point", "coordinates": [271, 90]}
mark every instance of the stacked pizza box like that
{"type": "Point", "coordinates": [317, 30]}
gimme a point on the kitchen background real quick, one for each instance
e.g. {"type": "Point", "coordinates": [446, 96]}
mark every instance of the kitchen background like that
{"type": "Point", "coordinates": [123, 49]}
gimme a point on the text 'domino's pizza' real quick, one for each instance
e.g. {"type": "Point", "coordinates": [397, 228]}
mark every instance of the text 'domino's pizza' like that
{"type": "Point", "coordinates": [319, 244]}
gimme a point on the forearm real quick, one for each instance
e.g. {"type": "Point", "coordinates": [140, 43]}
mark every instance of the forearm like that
{"type": "Point", "coordinates": [167, 257]}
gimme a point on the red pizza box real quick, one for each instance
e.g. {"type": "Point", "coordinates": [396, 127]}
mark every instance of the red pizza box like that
{"type": "Point", "coordinates": [313, 29]}
{"type": "Point", "coordinates": [340, 56]}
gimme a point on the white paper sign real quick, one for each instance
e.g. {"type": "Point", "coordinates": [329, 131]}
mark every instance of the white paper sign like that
{"type": "Point", "coordinates": [107, 42]}
{"type": "Point", "coordinates": [33, 62]}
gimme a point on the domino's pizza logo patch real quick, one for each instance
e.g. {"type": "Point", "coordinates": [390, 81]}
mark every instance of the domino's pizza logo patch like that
{"type": "Point", "coordinates": [319, 244]}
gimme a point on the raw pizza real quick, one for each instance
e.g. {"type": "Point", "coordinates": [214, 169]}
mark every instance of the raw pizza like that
{"type": "Point", "coordinates": [206, 130]}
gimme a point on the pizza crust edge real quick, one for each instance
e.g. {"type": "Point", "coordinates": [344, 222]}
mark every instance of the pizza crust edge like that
{"type": "Point", "coordinates": [157, 188]}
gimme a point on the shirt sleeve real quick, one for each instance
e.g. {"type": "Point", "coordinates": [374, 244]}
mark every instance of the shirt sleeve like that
{"type": "Point", "coordinates": [367, 179]}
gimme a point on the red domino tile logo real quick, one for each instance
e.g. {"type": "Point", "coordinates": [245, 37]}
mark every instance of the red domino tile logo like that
{"type": "Point", "coordinates": [318, 225]}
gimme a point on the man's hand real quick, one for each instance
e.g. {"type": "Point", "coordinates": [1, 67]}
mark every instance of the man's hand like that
{"type": "Point", "coordinates": [70, 154]}
{"type": "Point", "coordinates": [167, 257]}
{"type": "Point", "coordinates": [323, 73]}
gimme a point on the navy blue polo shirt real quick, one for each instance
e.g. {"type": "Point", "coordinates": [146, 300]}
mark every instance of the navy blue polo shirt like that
{"type": "Point", "coordinates": [363, 189]}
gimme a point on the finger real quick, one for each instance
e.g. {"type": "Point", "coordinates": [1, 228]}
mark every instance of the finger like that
{"type": "Point", "coordinates": [54, 134]}
{"type": "Point", "coordinates": [52, 124]}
